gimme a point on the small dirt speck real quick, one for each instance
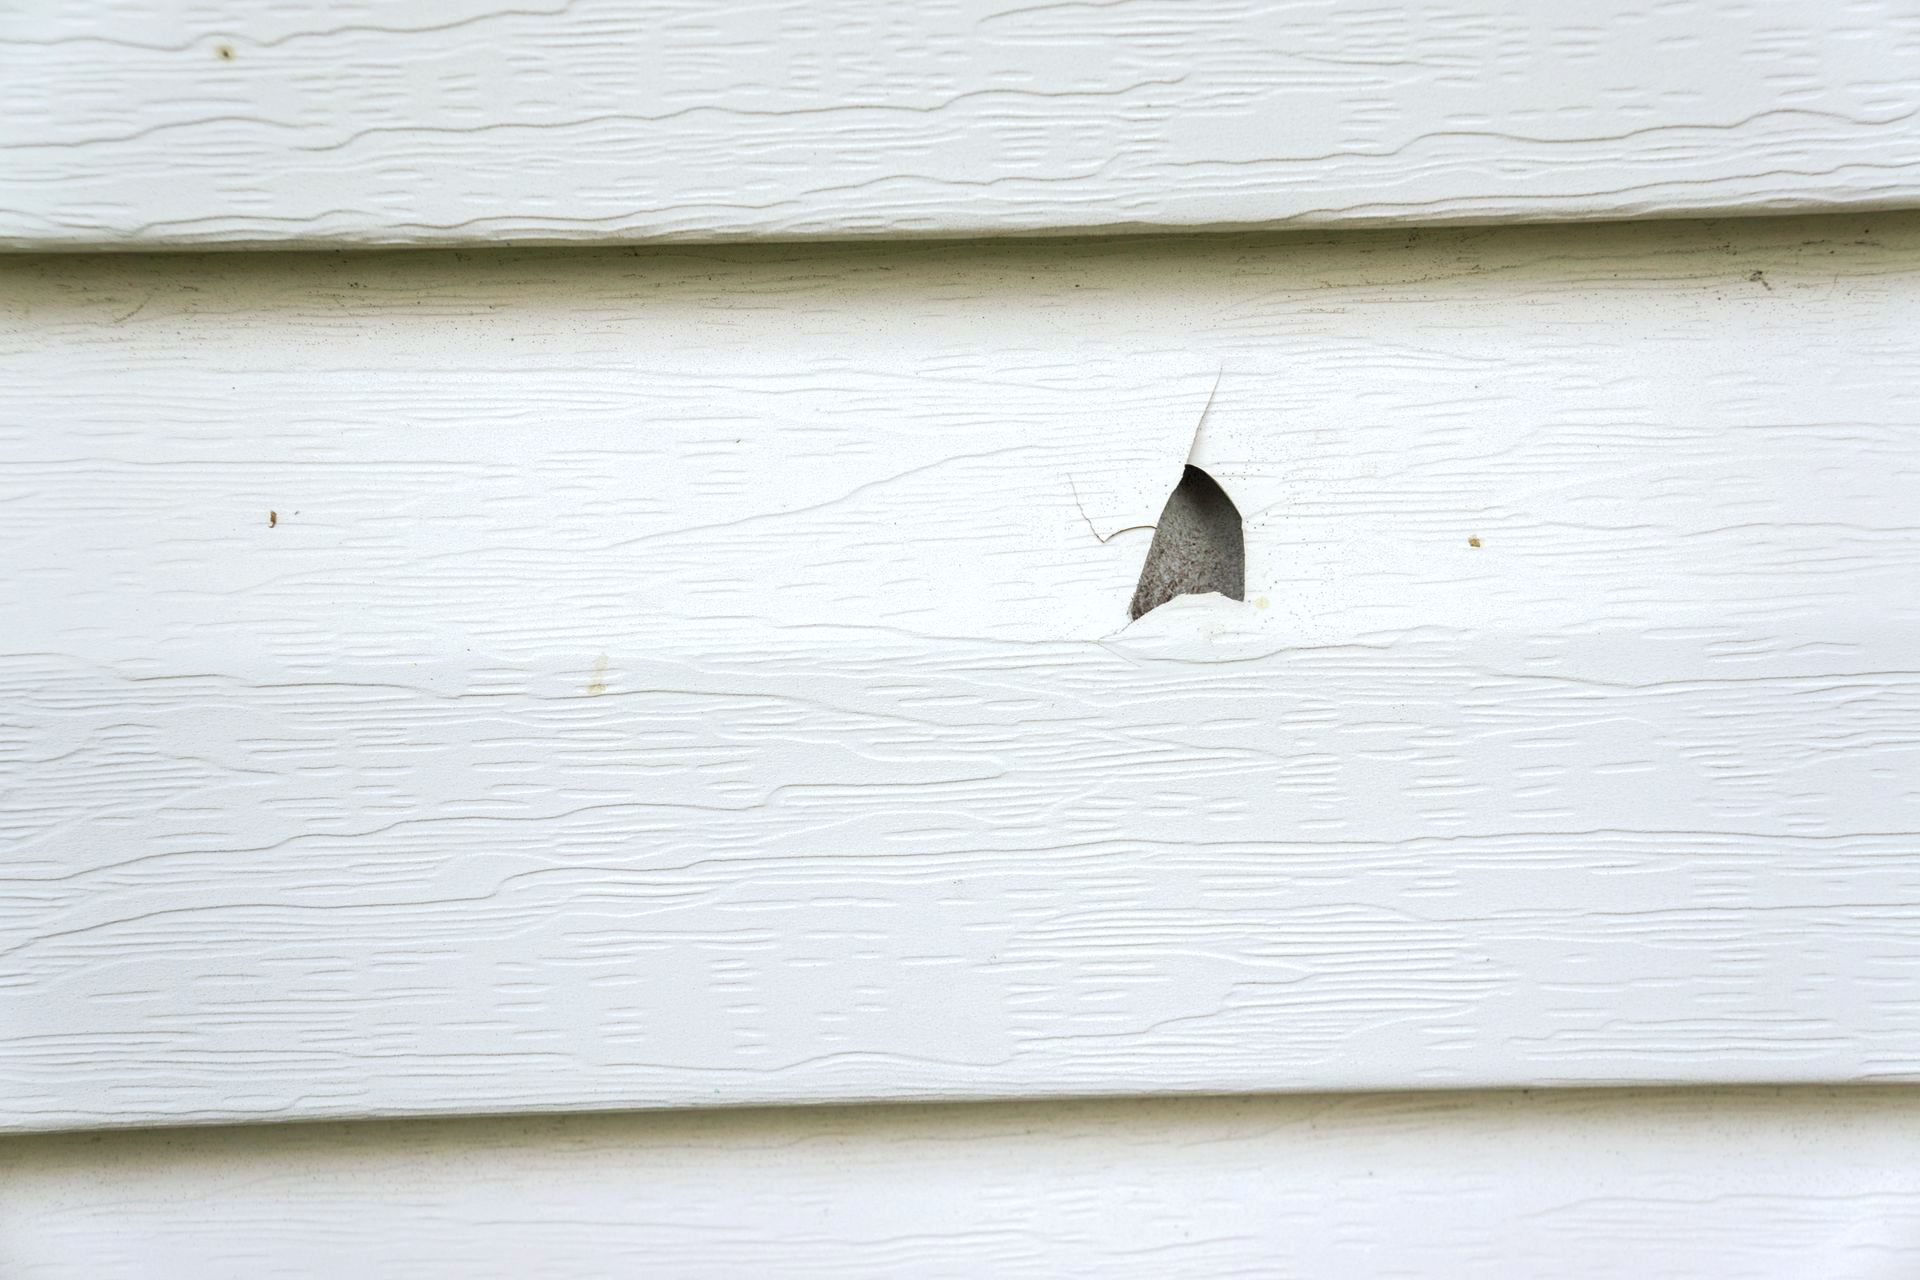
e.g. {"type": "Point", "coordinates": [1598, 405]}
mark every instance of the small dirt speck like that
{"type": "Point", "coordinates": [1474, 541]}
{"type": "Point", "coordinates": [224, 52]}
{"type": "Point", "coordinates": [273, 518]}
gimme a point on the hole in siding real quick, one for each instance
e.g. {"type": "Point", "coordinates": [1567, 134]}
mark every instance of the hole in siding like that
{"type": "Point", "coordinates": [1198, 546]}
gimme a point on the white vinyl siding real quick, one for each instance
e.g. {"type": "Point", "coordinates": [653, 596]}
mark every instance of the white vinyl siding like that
{"type": "Point", "coordinates": [704, 676]}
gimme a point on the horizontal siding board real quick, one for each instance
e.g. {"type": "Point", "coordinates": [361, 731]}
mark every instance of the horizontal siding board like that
{"type": "Point", "coordinates": [654, 687]}
{"type": "Point", "coordinates": [130, 125]}
{"type": "Point", "coordinates": [1713, 1185]}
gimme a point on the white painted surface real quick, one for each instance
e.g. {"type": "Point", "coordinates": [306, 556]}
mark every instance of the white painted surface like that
{"type": "Point", "coordinates": [126, 122]}
{"type": "Point", "coordinates": [693, 677]}
{"type": "Point", "coordinates": [1700, 1186]}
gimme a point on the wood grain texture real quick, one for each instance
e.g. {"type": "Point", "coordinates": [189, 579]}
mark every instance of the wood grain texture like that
{"type": "Point", "coordinates": [127, 123]}
{"type": "Point", "coordinates": [704, 677]}
{"type": "Point", "coordinates": [1742, 1185]}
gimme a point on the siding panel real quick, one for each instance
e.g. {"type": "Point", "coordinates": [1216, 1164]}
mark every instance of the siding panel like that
{"type": "Point", "coordinates": [189, 123]}
{"type": "Point", "coordinates": [703, 677]}
{"type": "Point", "coordinates": [1709, 1185]}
